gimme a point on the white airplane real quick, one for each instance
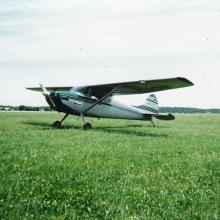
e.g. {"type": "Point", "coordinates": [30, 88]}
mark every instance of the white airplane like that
{"type": "Point", "coordinates": [96, 100]}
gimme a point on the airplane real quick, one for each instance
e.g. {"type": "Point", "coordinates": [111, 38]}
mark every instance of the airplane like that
{"type": "Point", "coordinates": [97, 100]}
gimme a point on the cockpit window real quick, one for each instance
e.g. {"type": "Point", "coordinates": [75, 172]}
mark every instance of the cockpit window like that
{"type": "Point", "coordinates": [82, 90]}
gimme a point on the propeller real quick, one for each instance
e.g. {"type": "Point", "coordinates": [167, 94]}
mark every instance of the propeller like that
{"type": "Point", "coordinates": [44, 90]}
{"type": "Point", "coordinates": [46, 93]}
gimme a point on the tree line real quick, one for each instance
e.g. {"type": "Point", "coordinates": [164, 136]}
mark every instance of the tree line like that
{"type": "Point", "coordinates": [188, 110]}
{"type": "Point", "coordinates": [162, 109]}
{"type": "Point", "coordinates": [25, 108]}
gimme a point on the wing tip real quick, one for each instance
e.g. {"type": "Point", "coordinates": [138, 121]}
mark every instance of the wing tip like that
{"type": "Point", "coordinates": [29, 88]}
{"type": "Point", "coordinates": [185, 80]}
{"type": "Point", "coordinates": [36, 89]}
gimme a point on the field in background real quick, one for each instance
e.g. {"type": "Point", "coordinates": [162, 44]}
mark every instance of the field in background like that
{"type": "Point", "coordinates": [119, 170]}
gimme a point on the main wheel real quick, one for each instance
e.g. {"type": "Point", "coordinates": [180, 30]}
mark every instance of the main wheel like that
{"type": "Point", "coordinates": [57, 124]}
{"type": "Point", "coordinates": [87, 126]}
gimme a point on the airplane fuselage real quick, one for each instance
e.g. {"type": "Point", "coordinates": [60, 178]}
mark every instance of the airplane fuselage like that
{"type": "Point", "coordinates": [75, 103]}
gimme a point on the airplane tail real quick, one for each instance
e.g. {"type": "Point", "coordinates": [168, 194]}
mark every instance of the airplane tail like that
{"type": "Point", "coordinates": [151, 106]}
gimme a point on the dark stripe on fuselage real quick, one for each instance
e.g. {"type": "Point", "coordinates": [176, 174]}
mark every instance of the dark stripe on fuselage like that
{"type": "Point", "coordinates": [127, 110]}
{"type": "Point", "coordinates": [90, 101]}
{"type": "Point", "coordinates": [147, 108]}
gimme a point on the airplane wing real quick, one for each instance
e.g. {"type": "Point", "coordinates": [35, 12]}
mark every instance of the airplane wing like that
{"type": "Point", "coordinates": [139, 87]}
{"type": "Point", "coordinates": [50, 89]}
{"type": "Point", "coordinates": [126, 88]}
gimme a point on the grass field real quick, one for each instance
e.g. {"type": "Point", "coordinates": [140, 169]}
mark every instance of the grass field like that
{"type": "Point", "coordinates": [119, 170]}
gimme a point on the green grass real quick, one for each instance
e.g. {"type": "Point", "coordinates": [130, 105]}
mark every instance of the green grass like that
{"type": "Point", "coordinates": [119, 170]}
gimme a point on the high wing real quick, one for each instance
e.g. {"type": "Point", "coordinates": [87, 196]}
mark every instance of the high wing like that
{"type": "Point", "coordinates": [139, 87]}
{"type": "Point", "coordinates": [126, 88]}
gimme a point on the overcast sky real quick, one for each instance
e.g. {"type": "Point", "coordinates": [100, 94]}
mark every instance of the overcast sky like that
{"type": "Point", "coordinates": [79, 42]}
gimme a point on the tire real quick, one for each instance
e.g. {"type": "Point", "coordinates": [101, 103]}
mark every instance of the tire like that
{"type": "Point", "coordinates": [57, 124]}
{"type": "Point", "coordinates": [87, 126]}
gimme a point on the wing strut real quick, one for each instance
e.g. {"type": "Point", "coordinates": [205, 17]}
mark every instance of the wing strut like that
{"type": "Point", "coordinates": [100, 100]}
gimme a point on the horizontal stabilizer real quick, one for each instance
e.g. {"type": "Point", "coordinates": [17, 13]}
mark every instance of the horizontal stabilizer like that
{"type": "Point", "coordinates": [167, 116]}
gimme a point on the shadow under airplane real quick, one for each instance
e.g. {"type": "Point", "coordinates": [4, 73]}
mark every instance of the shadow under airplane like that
{"type": "Point", "coordinates": [106, 129]}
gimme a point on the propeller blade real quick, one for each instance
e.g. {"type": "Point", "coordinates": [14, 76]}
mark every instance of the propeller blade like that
{"type": "Point", "coordinates": [44, 90]}
{"type": "Point", "coordinates": [46, 93]}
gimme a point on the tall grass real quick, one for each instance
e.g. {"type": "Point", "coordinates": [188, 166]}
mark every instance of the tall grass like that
{"type": "Point", "coordinates": [119, 170]}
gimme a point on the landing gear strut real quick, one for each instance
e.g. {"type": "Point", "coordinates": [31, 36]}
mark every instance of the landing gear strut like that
{"type": "Point", "coordinates": [57, 124]}
{"type": "Point", "coordinates": [86, 125]}
{"type": "Point", "coordinates": [152, 122]}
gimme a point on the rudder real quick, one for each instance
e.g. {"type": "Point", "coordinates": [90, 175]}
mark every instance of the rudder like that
{"type": "Point", "coordinates": [151, 104]}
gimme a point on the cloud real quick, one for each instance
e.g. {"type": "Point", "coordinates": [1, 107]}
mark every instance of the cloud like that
{"type": "Point", "coordinates": [179, 33]}
{"type": "Point", "coordinates": [102, 41]}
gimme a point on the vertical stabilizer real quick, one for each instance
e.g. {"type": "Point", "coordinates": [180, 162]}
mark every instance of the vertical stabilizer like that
{"type": "Point", "coordinates": [152, 104]}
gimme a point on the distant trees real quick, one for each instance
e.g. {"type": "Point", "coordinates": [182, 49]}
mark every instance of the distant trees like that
{"type": "Point", "coordinates": [25, 108]}
{"type": "Point", "coordinates": [187, 110]}
{"type": "Point", "coordinates": [21, 108]}
{"type": "Point", "coordinates": [162, 109]}
{"type": "Point", "coordinates": [32, 108]}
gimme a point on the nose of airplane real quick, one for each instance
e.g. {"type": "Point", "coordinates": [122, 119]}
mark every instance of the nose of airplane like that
{"type": "Point", "coordinates": [47, 96]}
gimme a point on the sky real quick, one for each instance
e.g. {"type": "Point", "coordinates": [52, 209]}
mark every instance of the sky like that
{"type": "Point", "coordinates": [80, 42]}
